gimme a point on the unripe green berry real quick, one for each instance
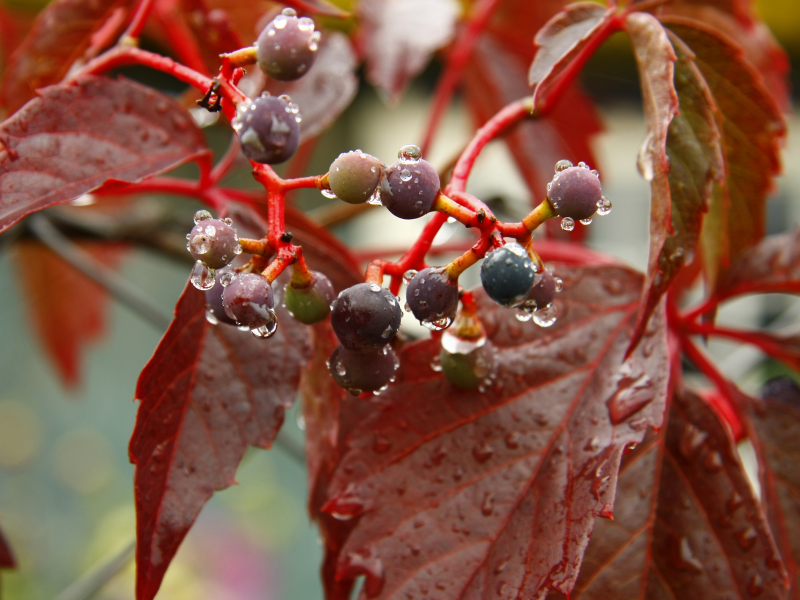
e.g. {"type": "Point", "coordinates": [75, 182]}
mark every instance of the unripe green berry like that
{"type": "Point", "coordinates": [355, 176]}
{"type": "Point", "coordinates": [312, 303]}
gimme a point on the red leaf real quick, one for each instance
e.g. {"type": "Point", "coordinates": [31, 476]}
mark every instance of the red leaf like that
{"type": "Point", "coordinates": [773, 266]}
{"type": "Point", "coordinates": [495, 78]}
{"type": "Point", "coordinates": [687, 522]}
{"type": "Point", "coordinates": [214, 29]}
{"type": "Point", "coordinates": [68, 310]}
{"type": "Point", "coordinates": [776, 436]}
{"type": "Point", "coordinates": [207, 393]}
{"type": "Point", "coordinates": [61, 34]}
{"type": "Point", "coordinates": [752, 130]}
{"type": "Point", "coordinates": [6, 556]}
{"type": "Point", "coordinates": [328, 88]}
{"type": "Point", "coordinates": [695, 163]}
{"type": "Point", "coordinates": [475, 494]}
{"type": "Point", "coordinates": [76, 136]}
{"type": "Point", "coordinates": [398, 39]}
{"type": "Point", "coordinates": [561, 40]}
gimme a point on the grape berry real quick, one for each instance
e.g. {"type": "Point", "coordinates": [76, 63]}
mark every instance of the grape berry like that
{"type": "Point", "coordinates": [575, 193]}
{"type": "Point", "coordinates": [410, 188]}
{"type": "Point", "coordinates": [507, 274]}
{"type": "Point", "coordinates": [268, 129]}
{"type": "Point", "coordinates": [365, 317]}
{"type": "Point", "coordinates": [287, 47]}
{"type": "Point", "coordinates": [355, 176]}
{"type": "Point", "coordinates": [248, 300]}
{"type": "Point", "coordinates": [433, 298]}
{"type": "Point", "coordinates": [215, 311]}
{"type": "Point", "coordinates": [369, 371]}
{"type": "Point", "coordinates": [310, 304]}
{"type": "Point", "coordinates": [212, 241]}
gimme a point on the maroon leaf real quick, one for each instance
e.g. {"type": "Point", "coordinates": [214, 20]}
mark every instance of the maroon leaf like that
{"type": "Point", "coordinates": [67, 309]}
{"type": "Point", "coordinates": [214, 29]}
{"type": "Point", "coordinates": [773, 266]}
{"type": "Point", "coordinates": [207, 393]}
{"type": "Point", "coordinates": [398, 39]}
{"type": "Point", "coordinates": [561, 40]}
{"type": "Point", "coordinates": [474, 495]}
{"type": "Point", "coordinates": [687, 524]}
{"type": "Point", "coordinates": [6, 556]}
{"type": "Point", "coordinates": [776, 436]}
{"type": "Point", "coordinates": [74, 137]}
{"type": "Point", "coordinates": [329, 87]}
{"type": "Point", "coordinates": [61, 34]}
{"type": "Point", "coordinates": [495, 78]}
{"type": "Point", "coordinates": [752, 129]}
{"type": "Point", "coordinates": [655, 58]}
{"type": "Point", "coordinates": [695, 163]}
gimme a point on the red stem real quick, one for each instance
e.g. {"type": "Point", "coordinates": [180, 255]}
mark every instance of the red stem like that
{"type": "Point", "coordinates": [754, 338]}
{"type": "Point", "coordinates": [183, 40]}
{"type": "Point", "coordinates": [456, 61]}
{"type": "Point", "coordinates": [139, 19]}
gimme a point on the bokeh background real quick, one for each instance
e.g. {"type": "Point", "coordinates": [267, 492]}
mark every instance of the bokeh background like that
{"type": "Point", "coordinates": [66, 500]}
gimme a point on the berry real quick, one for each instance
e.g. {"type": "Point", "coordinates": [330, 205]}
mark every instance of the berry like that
{"type": "Point", "coordinates": [468, 365]}
{"type": "Point", "coordinates": [287, 47]}
{"type": "Point", "coordinates": [310, 304]}
{"type": "Point", "coordinates": [575, 192]}
{"type": "Point", "coordinates": [433, 298]}
{"type": "Point", "coordinates": [543, 291]}
{"type": "Point", "coordinates": [355, 176]}
{"type": "Point", "coordinates": [214, 309]}
{"type": "Point", "coordinates": [248, 300]}
{"type": "Point", "coordinates": [268, 129]}
{"type": "Point", "coordinates": [213, 242]}
{"type": "Point", "coordinates": [409, 188]}
{"type": "Point", "coordinates": [507, 274]}
{"type": "Point", "coordinates": [365, 317]}
{"type": "Point", "coordinates": [360, 372]}
{"type": "Point", "coordinates": [782, 388]}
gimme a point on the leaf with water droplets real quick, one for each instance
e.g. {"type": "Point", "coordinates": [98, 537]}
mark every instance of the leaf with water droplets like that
{"type": "Point", "coordinates": [75, 137]}
{"type": "Point", "coordinates": [561, 40]}
{"type": "Point", "coordinates": [502, 488]}
{"type": "Point", "coordinates": [695, 162]}
{"type": "Point", "coordinates": [775, 434]}
{"type": "Point", "coordinates": [686, 521]}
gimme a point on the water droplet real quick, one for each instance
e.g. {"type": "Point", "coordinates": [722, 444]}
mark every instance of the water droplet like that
{"type": "Point", "coordinates": [583, 165]}
{"type": "Point", "coordinates": [547, 316]}
{"type": "Point", "coordinates": [329, 194]}
{"type": "Point", "coordinates": [451, 220]}
{"type": "Point", "coordinates": [563, 165]}
{"type": "Point", "coordinates": [524, 314]}
{"type": "Point", "coordinates": [691, 440]}
{"type": "Point", "coordinates": [512, 440]}
{"type": "Point", "coordinates": [381, 443]}
{"type": "Point", "coordinates": [409, 155]}
{"type": "Point", "coordinates": [211, 317]}
{"type": "Point", "coordinates": [407, 307]}
{"type": "Point", "coordinates": [437, 324]}
{"type": "Point", "coordinates": [684, 557]}
{"type": "Point", "coordinates": [487, 508]}
{"type": "Point", "coordinates": [713, 462]}
{"type": "Point", "coordinates": [409, 275]}
{"type": "Point", "coordinates": [289, 12]}
{"type": "Point", "coordinates": [756, 585]}
{"type": "Point", "coordinates": [341, 371]}
{"type": "Point", "coordinates": [482, 453]}
{"type": "Point", "coordinates": [586, 221]}
{"type": "Point", "coordinates": [227, 278]}
{"type": "Point", "coordinates": [387, 333]}
{"type": "Point", "coordinates": [280, 21]}
{"type": "Point", "coordinates": [501, 566]}
{"type": "Point", "coordinates": [603, 206]}
{"type": "Point", "coordinates": [567, 224]}
{"type": "Point", "coordinates": [375, 198]}
{"type": "Point", "coordinates": [202, 276]}
{"type": "Point", "coordinates": [405, 175]}
{"type": "Point", "coordinates": [228, 221]}
{"type": "Point", "coordinates": [747, 537]}
{"type": "Point", "coordinates": [268, 329]}
{"type": "Point", "coordinates": [313, 41]}
{"type": "Point", "coordinates": [436, 363]}
{"type": "Point", "coordinates": [305, 24]}
{"type": "Point", "coordinates": [735, 502]}
{"type": "Point", "coordinates": [201, 215]}
{"type": "Point", "coordinates": [374, 287]}
{"type": "Point", "coordinates": [559, 284]}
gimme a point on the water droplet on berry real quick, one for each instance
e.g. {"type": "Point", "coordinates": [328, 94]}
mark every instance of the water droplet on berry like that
{"type": "Point", "coordinates": [583, 165]}
{"type": "Point", "coordinates": [228, 221]}
{"type": "Point", "coordinates": [268, 329]}
{"type": "Point", "coordinates": [586, 221]}
{"type": "Point", "coordinates": [405, 175]}
{"type": "Point", "coordinates": [603, 206]}
{"type": "Point", "coordinates": [567, 224]}
{"type": "Point", "coordinates": [211, 317]}
{"type": "Point", "coordinates": [201, 215]}
{"type": "Point", "coordinates": [436, 364]}
{"type": "Point", "coordinates": [387, 333]}
{"type": "Point", "coordinates": [523, 315]}
{"type": "Point", "coordinates": [329, 194]}
{"type": "Point", "coordinates": [313, 41]}
{"type": "Point", "coordinates": [374, 287]}
{"type": "Point", "coordinates": [596, 173]}
{"type": "Point", "coordinates": [438, 324]}
{"type": "Point", "coordinates": [341, 371]}
{"type": "Point", "coordinates": [409, 155]}
{"type": "Point", "coordinates": [391, 300]}
{"type": "Point", "coordinates": [202, 276]}
{"type": "Point", "coordinates": [227, 278]}
{"type": "Point", "coordinates": [305, 24]}
{"type": "Point", "coordinates": [559, 284]}
{"type": "Point", "coordinates": [545, 317]}
{"type": "Point", "coordinates": [563, 165]}
{"type": "Point", "coordinates": [280, 21]}
{"type": "Point", "coordinates": [409, 275]}
{"type": "Point", "coordinates": [407, 307]}
{"type": "Point", "coordinates": [375, 198]}
{"type": "Point", "coordinates": [289, 12]}
{"type": "Point", "coordinates": [238, 249]}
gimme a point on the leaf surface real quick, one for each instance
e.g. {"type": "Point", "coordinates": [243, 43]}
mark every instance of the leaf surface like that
{"type": "Point", "coordinates": [214, 29]}
{"type": "Point", "coordinates": [60, 35]}
{"type": "Point", "coordinates": [752, 130]}
{"type": "Point", "coordinates": [399, 37]}
{"type": "Point", "coordinates": [75, 137]}
{"type": "Point", "coordinates": [776, 436]}
{"type": "Point", "coordinates": [463, 494]}
{"type": "Point", "coordinates": [328, 88]}
{"type": "Point", "coordinates": [773, 266]}
{"type": "Point", "coordinates": [561, 40]}
{"type": "Point", "coordinates": [67, 309]}
{"type": "Point", "coordinates": [686, 522]}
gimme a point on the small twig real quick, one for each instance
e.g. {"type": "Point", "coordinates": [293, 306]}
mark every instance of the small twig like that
{"type": "Point", "coordinates": [93, 581]}
{"type": "Point", "coordinates": [119, 287]}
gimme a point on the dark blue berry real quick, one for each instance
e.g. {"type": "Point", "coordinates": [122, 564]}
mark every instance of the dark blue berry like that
{"type": "Point", "coordinates": [365, 317]}
{"type": "Point", "coordinates": [507, 274]}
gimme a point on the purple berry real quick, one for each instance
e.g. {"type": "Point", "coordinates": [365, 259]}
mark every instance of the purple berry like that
{"type": "Point", "coordinates": [214, 303]}
{"type": "Point", "coordinates": [213, 242]}
{"type": "Point", "coordinates": [248, 300]}
{"type": "Point", "coordinates": [268, 129]}
{"type": "Point", "coordinates": [366, 371]}
{"type": "Point", "coordinates": [409, 188]}
{"type": "Point", "coordinates": [433, 298]}
{"type": "Point", "coordinates": [287, 47]}
{"type": "Point", "coordinates": [575, 192]}
{"type": "Point", "coordinates": [365, 317]}
{"type": "Point", "coordinates": [543, 291]}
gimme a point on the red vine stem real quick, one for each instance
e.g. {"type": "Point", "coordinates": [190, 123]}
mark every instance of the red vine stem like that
{"type": "Point", "coordinates": [754, 338]}
{"type": "Point", "coordinates": [131, 35]}
{"type": "Point", "coordinates": [456, 61]}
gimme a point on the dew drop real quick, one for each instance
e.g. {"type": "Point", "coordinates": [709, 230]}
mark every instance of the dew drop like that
{"type": "Point", "coordinates": [684, 557]}
{"type": "Point", "coordinates": [305, 24]}
{"type": "Point", "coordinates": [289, 12]}
{"type": "Point", "coordinates": [409, 155]}
{"type": "Point", "coordinates": [409, 275]}
{"type": "Point", "coordinates": [328, 194]}
{"type": "Point", "coordinates": [211, 317]}
{"type": "Point", "coordinates": [586, 221]}
{"type": "Point", "coordinates": [387, 333]}
{"type": "Point", "coordinates": [691, 440]}
{"type": "Point", "coordinates": [567, 224]}
{"type": "Point", "coordinates": [547, 316]}
{"type": "Point", "coordinates": [559, 284]}
{"type": "Point", "coordinates": [756, 585]}
{"type": "Point", "coordinates": [341, 371]}
{"type": "Point", "coordinates": [405, 175]}
{"type": "Point", "coordinates": [375, 198]}
{"type": "Point", "coordinates": [202, 276]}
{"type": "Point", "coordinates": [381, 444]}
{"type": "Point", "coordinates": [437, 324]}
{"type": "Point", "coordinates": [482, 453]}
{"type": "Point", "coordinates": [746, 538]}
{"type": "Point", "coordinates": [201, 215]}
{"type": "Point", "coordinates": [374, 287]}
{"type": "Point", "coordinates": [227, 278]}
{"type": "Point", "coordinates": [280, 21]}
{"type": "Point", "coordinates": [313, 41]}
{"type": "Point", "coordinates": [523, 315]}
{"type": "Point", "coordinates": [268, 329]}
{"type": "Point", "coordinates": [487, 508]}
{"type": "Point", "coordinates": [603, 206]}
{"type": "Point", "coordinates": [512, 440]}
{"type": "Point", "coordinates": [583, 165]}
{"type": "Point", "coordinates": [712, 462]}
{"type": "Point", "coordinates": [436, 363]}
{"type": "Point", "coordinates": [563, 165]}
